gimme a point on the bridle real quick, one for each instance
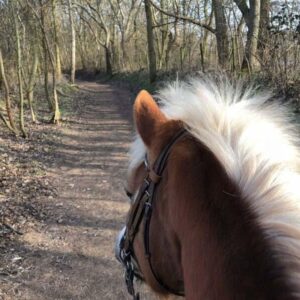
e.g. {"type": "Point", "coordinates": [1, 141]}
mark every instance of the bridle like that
{"type": "Point", "coordinates": [142, 210]}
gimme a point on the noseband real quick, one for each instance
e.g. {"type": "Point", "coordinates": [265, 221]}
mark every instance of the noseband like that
{"type": "Point", "coordinates": [142, 210]}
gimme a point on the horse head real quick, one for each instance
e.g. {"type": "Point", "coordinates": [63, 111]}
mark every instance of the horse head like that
{"type": "Point", "coordinates": [206, 217]}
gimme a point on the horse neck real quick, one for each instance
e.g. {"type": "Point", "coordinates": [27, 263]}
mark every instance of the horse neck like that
{"type": "Point", "coordinates": [224, 253]}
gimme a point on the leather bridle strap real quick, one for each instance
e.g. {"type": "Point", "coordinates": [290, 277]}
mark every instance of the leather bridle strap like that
{"type": "Point", "coordinates": [161, 161]}
{"type": "Point", "coordinates": [158, 170]}
{"type": "Point", "coordinates": [135, 216]}
{"type": "Point", "coordinates": [142, 206]}
{"type": "Point", "coordinates": [153, 177]}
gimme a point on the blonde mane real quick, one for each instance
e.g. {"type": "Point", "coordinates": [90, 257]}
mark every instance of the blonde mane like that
{"type": "Point", "coordinates": [257, 145]}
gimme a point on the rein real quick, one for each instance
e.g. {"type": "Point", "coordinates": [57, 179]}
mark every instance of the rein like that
{"type": "Point", "coordinates": [142, 210]}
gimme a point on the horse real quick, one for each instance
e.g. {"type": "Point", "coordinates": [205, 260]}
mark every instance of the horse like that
{"type": "Point", "coordinates": [215, 194]}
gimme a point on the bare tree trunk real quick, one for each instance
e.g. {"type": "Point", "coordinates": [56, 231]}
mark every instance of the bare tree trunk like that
{"type": "Point", "coordinates": [56, 112]}
{"type": "Point", "coordinates": [32, 82]}
{"type": "Point", "coordinates": [136, 51]}
{"type": "Point", "coordinates": [115, 49]}
{"type": "Point", "coordinates": [45, 54]}
{"type": "Point", "coordinates": [221, 33]}
{"type": "Point", "coordinates": [206, 32]}
{"type": "Point", "coordinates": [164, 29]}
{"type": "Point", "coordinates": [125, 57]}
{"type": "Point", "coordinates": [6, 123]}
{"type": "Point", "coordinates": [11, 123]}
{"type": "Point", "coordinates": [19, 70]}
{"type": "Point", "coordinates": [205, 36]}
{"type": "Point", "coordinates": [252, 36]}
{"type": "Point", "coordinates": [251, 15]}
{"type": "Point", "coordinates": [58, 64]}
{"type": "Point", "coordinates": [108, 61]}
{"type": "Point", "coordinates": [81, 34]}
{"type": "Point", "coordinates": [263, 37]}
{"type": "Point", "coordinates": [55, 68]}
{"type": "Point", "coordinates": [171, 42]}
{"type": "Point", "coordinates": [150, 39]}
{"type": "Point", "coordinates": [56, 116]}
{"type": "Point", "coordinates": [56, 46]}
{"type": "Point", "coordinates": [202, 57]}
{"type": "Point", "coordinates": [73, 43]}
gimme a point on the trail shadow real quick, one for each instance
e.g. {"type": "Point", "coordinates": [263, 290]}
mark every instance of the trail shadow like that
{"type": "Point", "coordinates": [102, 131]}
{"type": "Point", "coordinates": [54, 272]}
{"type": "Point", "coordinates": [61, 216]}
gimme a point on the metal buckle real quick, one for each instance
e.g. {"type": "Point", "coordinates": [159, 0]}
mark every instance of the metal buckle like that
{"type": "Point", "coordinates": [129, 275]}
{"type": "Point", "coordinates": [146, 162]}
{"type": "Point", "coordinates": [148, 208]}
{"type": "Point", "coordinates": [147, 193]}
{"type": "Point", "coordinates": [125, 257]}
{"type": "Point", "coordinates": [147, 181]}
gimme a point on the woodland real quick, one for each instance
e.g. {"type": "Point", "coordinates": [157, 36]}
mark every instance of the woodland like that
{"type": "Point", "coordinates": [44, 44]}
{"type": "Point", "coordinates": [54, 56]}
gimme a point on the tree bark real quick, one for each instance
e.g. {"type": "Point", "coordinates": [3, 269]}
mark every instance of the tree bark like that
{"type": "Point", "coordinates": [150, 39]}
{"type": "Point", "coordinates": [108, 61]}
{"type": "Point", "coordinates": [6, 123]}
{"type": "Point", "coordinates": [164, 29]}
{"type": "Point", "coordinates": [73, 44]}
{"type": "Point", "coordinates": [221, 33]}
{"type": "Point", "coordinates": [209, 18]}
{"type": "Point", "coordinates": [55, 68]}
{"type": "Point", "coordinates": [263, 37]}
{"type": "Point", "coordinates": [56, 46]}
{"type": "Point", "coordinates": [31, 83]}
{"type": "Point", "coordinates": [45, 54]}
{"type": "Point", "coordinates": [252, 36]}
{"type": "Point", "coordinates": [19, 70]}
{"type": "Point", "coordinates": [125, 58]}
{"type": "Point", "coordinates": [56, 112]}
{"type": "Point", "coordinates": [251, 15]}
{"type": "Point", "coordinates": [12, 125]}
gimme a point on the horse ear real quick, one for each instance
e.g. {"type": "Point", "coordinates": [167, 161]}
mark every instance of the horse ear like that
{"type": "Point", "coordinates": [148, 117]}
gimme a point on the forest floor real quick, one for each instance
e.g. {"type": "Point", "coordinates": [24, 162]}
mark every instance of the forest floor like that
{"type": "Point", "coordinates": [62, 202]}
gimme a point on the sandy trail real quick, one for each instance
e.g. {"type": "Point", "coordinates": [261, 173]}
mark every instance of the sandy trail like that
{"type": "Point", "coordinates": [71, 255]}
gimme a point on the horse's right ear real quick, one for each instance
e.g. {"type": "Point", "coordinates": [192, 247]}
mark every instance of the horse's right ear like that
{"type": "Point", "coordinates": [148, 117]}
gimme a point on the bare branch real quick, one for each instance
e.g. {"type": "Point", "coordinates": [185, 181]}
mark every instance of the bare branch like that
{"type": "Point", "coordinates": [184, 18]}
{"type": "Point", "coordinates": [161, 25]}
{"type": "Point", "coordinates": [243, 7]}
{"type": "Point", "coordinates": [90, 14]}
{"type": "Point", "coordinates": [92, 31]}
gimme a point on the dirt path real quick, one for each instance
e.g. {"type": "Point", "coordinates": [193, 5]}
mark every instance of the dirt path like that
{"type": "Point", "coordinates": [71, 255]}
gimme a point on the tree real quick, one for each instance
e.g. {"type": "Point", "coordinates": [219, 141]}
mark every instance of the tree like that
{"type": "Point", "coordinates": [251, 15]}
{"type": "Point", "coordinates": [125, 14]}
{"type": "Point", "coordinates": [264, 23]}
{"type": "Point", "coordinates": [56, 45]}
{"type": "Point", "coordinates": [73, 43]}
{"type": "Point", "coordinates": [95, 13]}
{"type": "Point", "coordinates": [14, 10]}
{"type": "Point", "coordinates": [10, 124]}
{"type": "Point", "coordinates": [48, 54]}
{"type": "Point", "coordinates": [31, 82]}
{"type": "Point", "coordinates": [150, 40]}
{"type": "Point", "coordinates": [42, 23]}
{"type": "Point", "coordinates": [221, 33]}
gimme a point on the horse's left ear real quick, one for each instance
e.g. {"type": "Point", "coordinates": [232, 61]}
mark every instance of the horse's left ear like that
{"type": "Point", "coordinates": [148, 117]}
